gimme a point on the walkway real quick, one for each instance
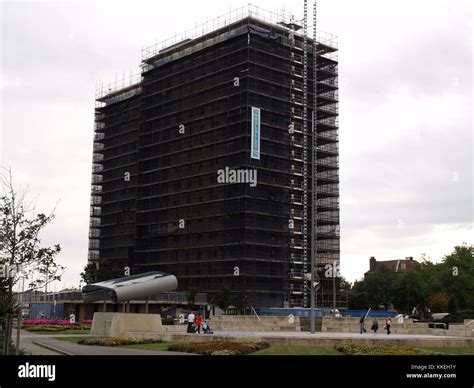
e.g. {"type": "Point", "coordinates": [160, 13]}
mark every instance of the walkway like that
{"type": "Point", "coordinates": [329, 335]}
{"type": "Point", "coordinates": [47, 344]}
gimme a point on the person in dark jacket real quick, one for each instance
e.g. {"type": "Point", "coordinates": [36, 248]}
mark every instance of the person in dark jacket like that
{"type": "Point", "coordinates": [375, 326]}
{"type": "Point", "coordinates": [388, 324]}
{"type": "Point", "coordinates": [362, 325]}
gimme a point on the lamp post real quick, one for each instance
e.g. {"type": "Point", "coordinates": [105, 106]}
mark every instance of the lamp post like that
{"type": "Point", "coordinates": [24, 276]}
{"type": "Point", "coordinates": [334, 272]}
{"type": "Point", "coordinates": [408, 299]}
{"type": "Point", "coordinates": [314, 284]}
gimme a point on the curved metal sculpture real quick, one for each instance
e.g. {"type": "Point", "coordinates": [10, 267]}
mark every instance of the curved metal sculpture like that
{"type": "Point", "coordinates": [130, 287]}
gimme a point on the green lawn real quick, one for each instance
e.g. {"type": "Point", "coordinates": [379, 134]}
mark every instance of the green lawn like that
{"type": "Point", "coordinates": [289, 350]}
{"type": "Point", "coordinates": [298, 351]}
{"type": "Point", "coordinates": [155, 346]}
{"type": "Point", "coordinates": [70, 339]}
{"type": "Point", "coordinates": [454, 351]}
{"type": "Point", "coordinates": [85, 332]}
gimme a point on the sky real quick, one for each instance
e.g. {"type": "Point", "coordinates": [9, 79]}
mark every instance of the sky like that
{"type": "Point", "coordinates": [406, 139]}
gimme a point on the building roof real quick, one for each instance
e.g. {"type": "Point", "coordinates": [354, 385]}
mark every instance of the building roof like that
{"type": "Point", "coordinates": [399, 265]}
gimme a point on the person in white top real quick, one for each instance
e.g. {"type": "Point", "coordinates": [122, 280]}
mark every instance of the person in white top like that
{"type": "Point", "coordinates": [191, 318]}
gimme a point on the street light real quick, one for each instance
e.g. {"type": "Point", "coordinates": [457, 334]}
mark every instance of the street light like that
{"type": "Point", "coordinates": [314, 280]}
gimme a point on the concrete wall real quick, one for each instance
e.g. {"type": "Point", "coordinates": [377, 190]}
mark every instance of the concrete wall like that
{"type": "Point", "coordinates": [252, 323]}
{"type": "Point", "coordinates": [316, 340]}
{"type": "Point", "coordinates": [351, 325]}
{"type": "Point", "coordinates": [122, 324]}
{"type": "Point", "coordinates": [101, 323]}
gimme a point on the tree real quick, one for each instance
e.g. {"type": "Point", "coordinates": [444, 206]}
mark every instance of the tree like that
{"type": "Point", "coordinates": [95, 272]}
{"type": "Point", "coordinates": [456, 276]}
{"type": "Point", "coordinates": [452, 306]}
{"type": "Point", "coordinates": [409, 290]}
{"type": "Point", "coordinates": [432, 284]}
{"type": "Point", "coordinates": [191, 296]}
{"type": "Point", "coordinates": [223, 298]}
{"type": "Point", "coordinates": [8, 304]}
{"type": "Point", "coordinates": [20, 244]}
{"type": "Point", "coordinates": [438, 302]}
{"type": "Point", "coordinates": [358, 296]}
{"type": "Point", "coordinates": [379, 287]}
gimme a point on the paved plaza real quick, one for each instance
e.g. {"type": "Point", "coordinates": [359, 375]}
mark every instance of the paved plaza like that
{"type": "Point", "coordinates": [48, 344]}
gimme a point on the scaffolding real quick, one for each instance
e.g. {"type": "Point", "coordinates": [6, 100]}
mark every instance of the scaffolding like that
{"type": "Point", "coordinates": [280, 17]}
{"type": "Point", "coordinates": [292, 77]}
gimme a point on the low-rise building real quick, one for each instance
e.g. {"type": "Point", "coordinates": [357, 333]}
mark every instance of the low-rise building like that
{"type": "Point", "coordinates": [401, 265]}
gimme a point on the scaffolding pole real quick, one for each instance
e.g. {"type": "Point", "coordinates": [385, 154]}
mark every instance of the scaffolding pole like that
{"type": "Point", "coordinates": [313, 176]}
{"type": "Point", "coordinates": [305, 145]}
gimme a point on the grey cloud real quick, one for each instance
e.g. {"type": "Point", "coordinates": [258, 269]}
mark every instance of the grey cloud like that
{"type": "Point", "coordinates": [59, 51]}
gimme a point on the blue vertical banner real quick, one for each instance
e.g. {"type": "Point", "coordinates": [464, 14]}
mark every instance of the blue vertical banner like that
{"type": "Point", "coordinates": [255, 143]}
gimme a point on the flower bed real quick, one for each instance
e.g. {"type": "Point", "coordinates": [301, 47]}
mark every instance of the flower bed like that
{"type": "Point", "coordinates": [219, 348]}
{"type": "Point", "coordinates": [112, 341]}
{"type": "Point", "coordinates": [357, 350]}
{"type": "Point", "coordinates": [49, 322]}
{"type": "Point", "coordinates": [55, 328]}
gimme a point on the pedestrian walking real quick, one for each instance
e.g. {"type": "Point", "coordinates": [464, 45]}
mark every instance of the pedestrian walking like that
{"type": "Point", "coordinates": [206, 328]}
{"type": "Point", "coordinates": [362, 325]}
{"type": "Point", "coordinates": [191, 318]}
{"type": "Point", "coordinates": [375, 326]}
{"type": "Point", "coordinates": [388, 324]}
{"type": "Point", "coordinates": [198, 323]}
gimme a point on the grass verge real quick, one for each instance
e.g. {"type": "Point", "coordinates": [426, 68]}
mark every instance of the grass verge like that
{"type": "Point", "coordinates": [156, 346]}
{"type": "Point", "coordinates": [227, 348]}
{"type": "Point", "coordinates": [70, 339]}
{"type": "Point", "coordinates": [85, 332]}
{"type": "Point", "coordinates": [218, 348]}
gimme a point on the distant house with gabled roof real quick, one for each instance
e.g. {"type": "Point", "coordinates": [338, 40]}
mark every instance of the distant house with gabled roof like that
{"type": "Point", "coordinates": [402, 265]}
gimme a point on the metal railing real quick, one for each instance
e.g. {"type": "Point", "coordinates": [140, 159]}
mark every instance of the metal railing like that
{"type": "Point", "coordinates": [231, 17]}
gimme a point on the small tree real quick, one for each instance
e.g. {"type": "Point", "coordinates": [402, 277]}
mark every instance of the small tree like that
{"type": "Point", "coordinates": [20, 243]}
{"type": "Point", "coordinates": [223, 298]}
{"type": "Point", "coordinates": [95, 272]}
{"type": "Point", "coordinates": [191, 296]}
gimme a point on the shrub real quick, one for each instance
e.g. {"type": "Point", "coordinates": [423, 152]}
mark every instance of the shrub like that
{"type": "Point", "coordinates": [224, 353]}
{"type": "Point", "coordinates": [364, 350]}
{"type": "Point", "coordinates": [53, 328]}
{"type": "Point", "coordinates": [112, 341]}
{"type": "Point", "coordinates": [43, 328]}
{"type": "Point", "coordinates": [167, 321]}
{"type": "Point", "coordinates": [218, 348]}
{"type": "Point", "coordinates": [438, 302]}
